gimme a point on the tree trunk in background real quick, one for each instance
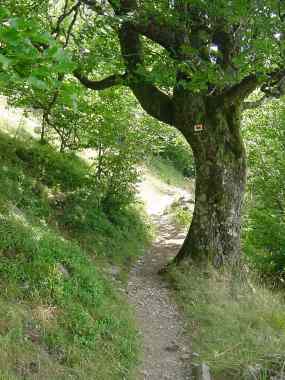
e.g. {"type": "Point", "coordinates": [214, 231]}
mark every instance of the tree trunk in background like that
{"type": "Point", "coordinates": [220, 181]}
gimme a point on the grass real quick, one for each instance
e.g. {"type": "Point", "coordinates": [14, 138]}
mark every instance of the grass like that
{"type": "Point", "coordinates": [166, 171]}
{"type": "Point", "coordinates": [180, 215]}
{"type": "Point", "coordinates": [60, 315]}
{"type": "Point", "coordinates": [237, 325]}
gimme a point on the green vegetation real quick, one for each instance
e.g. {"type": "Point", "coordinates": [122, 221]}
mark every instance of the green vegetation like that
{"type": "Point", "coordinates": [63, 221]}
{"type": "Point", "coordinates": [236, 325]}
{"type": "Point", "coordinates": [180, 214]}
{"type": "Point", "coordinates": [60, 314]}
{"type": "Point", "coordinates": [264, 227]}
{"type": "Point", "coordinates": [191, 65]}
{"type": "Point", "coordinates": [166, 171]}
{"type": "Point", "coordinates": [175, 150]}
{"type": "Point", "coordinates": [170, 157]}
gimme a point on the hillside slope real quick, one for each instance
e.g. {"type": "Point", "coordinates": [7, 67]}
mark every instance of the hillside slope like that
{"type": "Point", "coordinates": [60, 315]}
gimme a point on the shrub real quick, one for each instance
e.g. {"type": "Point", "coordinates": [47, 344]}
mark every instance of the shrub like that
{"type": "Point", "coordinates": [264, 227]}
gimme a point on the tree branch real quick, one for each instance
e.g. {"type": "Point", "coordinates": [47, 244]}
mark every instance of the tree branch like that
{"type": "Point", "coordinates": [255, 104]}
{"type": "Point", "coordinates": [160, 33]}
{"type": "Point", "coordinates": [113, 80]}
{"type": "Point", "coordinates": [65, 14]}
{"type": "Point", "coordinates": [243, 89]}
{"type": "Point", "coordinates": [147, 25]}
{"type": "Point", "coordinates": [73, 21]}
{"type": "Point", "coordinates": [155, 102]}
{"type": "Point", "coordinates": [271, 91]}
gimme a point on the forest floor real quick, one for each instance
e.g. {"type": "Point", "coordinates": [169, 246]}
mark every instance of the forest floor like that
{"type": "Point", "coordinates": [166, 349]}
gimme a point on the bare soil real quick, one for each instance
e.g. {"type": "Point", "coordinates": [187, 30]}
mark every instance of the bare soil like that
{"type": "Point", "coordinates": [166, 348]}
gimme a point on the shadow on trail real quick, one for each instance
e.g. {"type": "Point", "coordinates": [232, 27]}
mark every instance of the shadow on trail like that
{"type": "Point", "coordinates": [167, 243]}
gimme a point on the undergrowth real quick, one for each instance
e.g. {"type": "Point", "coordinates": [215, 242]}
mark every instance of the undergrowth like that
{"type": "Point", "coordinates": [60, 315]}
{"type": "Point", "coordinates": [166, 171]}
{"type": "Point", "coordinates": [180, 214]}
{"type": "Point", "coordinates": [237, 325]}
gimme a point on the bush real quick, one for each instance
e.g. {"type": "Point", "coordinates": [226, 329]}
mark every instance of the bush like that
{"type": "Point", "coordinates": [178, 152]}
{"type": "Point", "coordinates": [169, 145]}
{"type": "Point", "coordinates": [264, 227]}
{"type": "Point", "coordinates": [181, 214]}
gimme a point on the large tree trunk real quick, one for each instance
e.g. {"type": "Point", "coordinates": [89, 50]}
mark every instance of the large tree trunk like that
{"type": "Point", "coordinates": [220, 181]}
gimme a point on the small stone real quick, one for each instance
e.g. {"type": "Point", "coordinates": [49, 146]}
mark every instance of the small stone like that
{"type": "Point", "coordinates": [34, 367]}
{"type": "Point", "coordinates": [63, 270]}
{"type": "Point", "coordinates": [34, 336]}
{"type": "Point", "coordinates": [202, 372]}
{"type": "Point", "coordinates": [185, 357]}
{"type": "Point", "coordinates": [114, 271]}
{"type": "Point", "coordinates": [172, 348]}
{"type": "Point", "coordinates": [144, 373]}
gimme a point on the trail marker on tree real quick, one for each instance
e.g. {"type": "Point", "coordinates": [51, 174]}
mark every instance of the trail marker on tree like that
{"type": "Point", "coordinates": [198, 127]}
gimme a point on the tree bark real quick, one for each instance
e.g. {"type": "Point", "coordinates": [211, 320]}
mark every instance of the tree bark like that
{"type": "Point", "coordinates": [220, 178]}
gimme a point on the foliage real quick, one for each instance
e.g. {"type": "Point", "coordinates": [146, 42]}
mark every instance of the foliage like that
{"type": "Point", "coordinates": [178, 152]}
{"type": "Point", "coordinates": [41, 47]}
{"type": "Point", "coordinates": [181, 59]}
{"type": "Point", "coordinates": [165, 170]}
{"type": "Point", "coordinates": [115, 137]}
{"type": "Point", "coordinates": [62, 316]}
{"type": "Point", "coordinates": [181, 214]}
{"type": "Point", "coordinates": [22, 61]}
{"type": "Point", "coordinates": [264, 233]}
{"type": "Point", "coordinates": [236, 324]}
{"type": "Point", "coordinates": [168, 144]}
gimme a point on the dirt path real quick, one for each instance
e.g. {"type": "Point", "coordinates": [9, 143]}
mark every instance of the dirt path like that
{"type": "Point", "coordinates": [166, 351]}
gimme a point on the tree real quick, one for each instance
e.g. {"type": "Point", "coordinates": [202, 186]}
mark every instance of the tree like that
{"type": "Point", "coordinates": [222, 51]}
{"type": "Point", "coordinates": [190, 64]}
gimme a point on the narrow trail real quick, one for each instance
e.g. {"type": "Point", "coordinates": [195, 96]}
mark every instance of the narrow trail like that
{"type": "Point", "coordinates": [166, 351]}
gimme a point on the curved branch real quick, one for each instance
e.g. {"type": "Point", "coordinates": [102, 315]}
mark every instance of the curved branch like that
{"type": "Point", "coordinates": [65, 14]}
{"type": "Point", "coordinates": [160, 33]}
{"type": "Point", "coordinates": [243, 89]}
{"type": "Point", "coordinates": [73, 21]}
{"type": "Point", "coordinates": [255, 104]}
{"type": "Point", "coordinates": [275, 91]}
{"type": "Point", "coordinates": [113, 80]}
{"type": "Point", "coordinates": [147, 25]}
{"type": "Point", "coordinates": [155, 102]}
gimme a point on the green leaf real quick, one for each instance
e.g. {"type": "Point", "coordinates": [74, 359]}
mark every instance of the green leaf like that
{"type": "Point", "coordinates": [4, 13]}
{"type": "Point", "coordinates": [37, 83]}
{"type": "Point", "coordinates": [4, 61]}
